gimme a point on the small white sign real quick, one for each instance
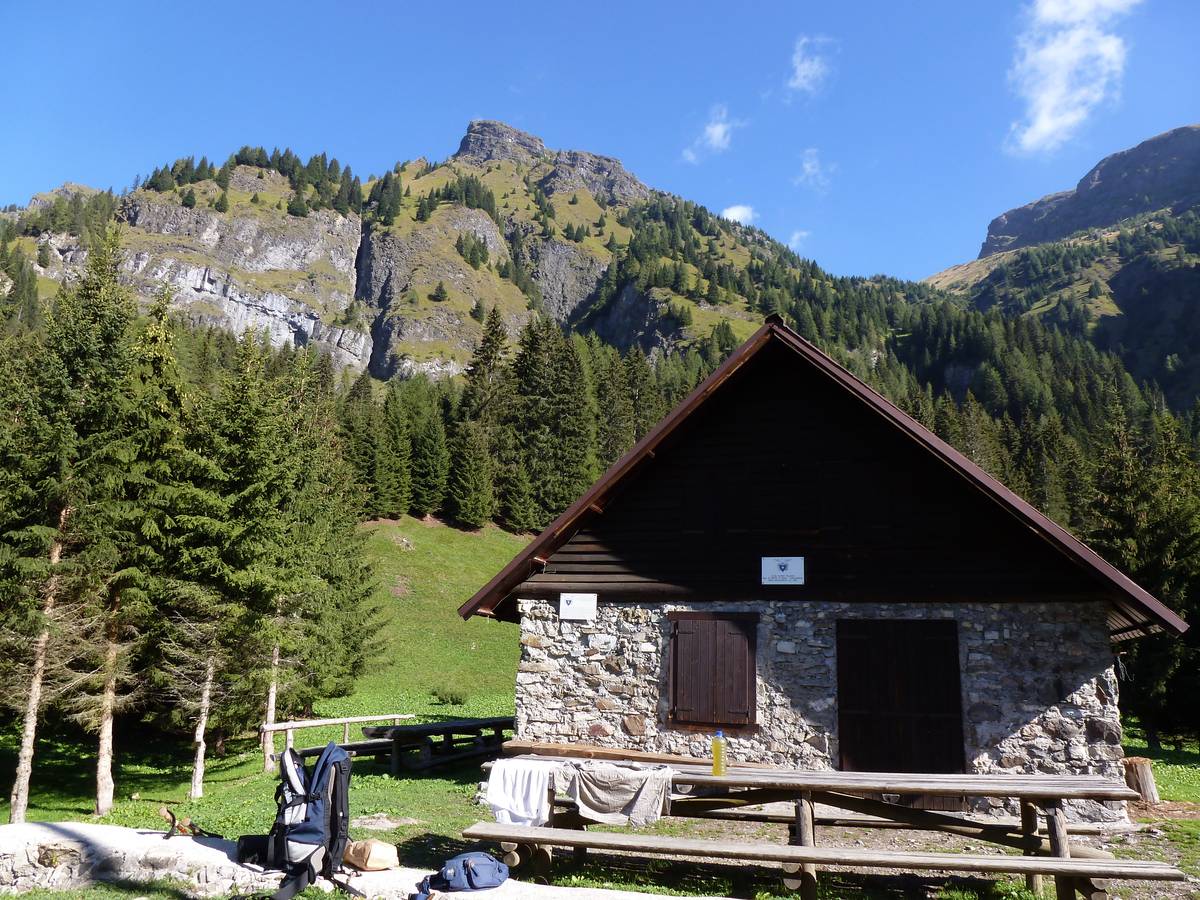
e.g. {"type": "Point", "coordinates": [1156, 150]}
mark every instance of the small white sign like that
{"type": "Point", "coordinates": [577, 606]}
{"type": "Point", "coordinates": [783, 570]}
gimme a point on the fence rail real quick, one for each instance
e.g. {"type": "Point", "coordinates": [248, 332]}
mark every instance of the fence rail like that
{"type": "Point", "coordinates": [267, 731]}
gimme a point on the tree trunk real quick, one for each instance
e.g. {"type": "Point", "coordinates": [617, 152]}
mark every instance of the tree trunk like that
{"type": "Point", "coordinates": [20, 790]}
{"type": "Point", "coordinates": [219, 736]}
{"type": "Point", "coordinates": [1153, 741]}
{"type": "Point", "coordinates": [197, 790]}
{"type": "Point", "coordinates": [104, 753]}
{"type": "Point", "coordinates": [268, 737]}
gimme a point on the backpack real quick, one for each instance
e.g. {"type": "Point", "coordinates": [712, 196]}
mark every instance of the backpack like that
{"type": "Point", "coordinates": [310, 831]}
{"type": "Point", "coordinates": [465, 872]}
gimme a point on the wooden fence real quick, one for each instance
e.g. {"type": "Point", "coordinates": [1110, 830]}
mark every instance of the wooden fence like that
{"type": "Point", "coordinates": [267, 731]}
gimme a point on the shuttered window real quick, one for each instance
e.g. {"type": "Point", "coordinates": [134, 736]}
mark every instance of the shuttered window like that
{"type": "Point", "coordinates": [713, 668]}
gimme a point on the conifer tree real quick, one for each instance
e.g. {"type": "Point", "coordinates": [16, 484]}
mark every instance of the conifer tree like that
{"type": "Point", "coordinates": [643, 393]}
{"type": "Point", "coordinates": [297, 205]}
{"type": "Point", "coordinates": [393, 460]}
{"type": "Point", "coordinates": [83, 394]}
{"type": "Point", "coordinates": [430, 463]}
{"type": "Point", "coordinates": [222, 204]}
{"type": "Point", "coordinates": [361, 436]}
{"type": "Point", "coordinates": [517, 506]}
{"type": "Point", "coordinates": [471, 495]}
{"type": "Point", "coordinates": [616, 421]}
{"type": "Point", "coordinates": [189, 199]}
{"type": "Point", "coordinates": [488, 387]}
{"type": "Point", "coordinates": [250, 444]}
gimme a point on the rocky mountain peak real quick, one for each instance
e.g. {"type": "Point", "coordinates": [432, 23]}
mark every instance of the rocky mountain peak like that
{"type": "Point", "coordinates": [487, 140]}
{"type": "Point", "coordinates": [1163, 171]}
{"type": "Point", "coordinates": [569, 170]}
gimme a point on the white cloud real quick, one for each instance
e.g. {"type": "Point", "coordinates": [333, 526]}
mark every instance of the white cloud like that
{"type": "Point", "coordinates": [814, 174]}
{"type": "Point", "coordinates": [1068, 62]}
{"type": "Point", "coordinates": [716, 135]}
{"type": "Point", "coordinates": [809, 68]}
{"type": "Point", "coordinates": [797, 239]}
{"type": "Point", "coordinates": [739, 212]}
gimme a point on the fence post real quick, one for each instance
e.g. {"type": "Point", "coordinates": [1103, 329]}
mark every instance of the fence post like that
{"type": "Point", "coordinates": [345, 732]}
{"type": "Point", "coordinates": [268, 748]}
{"type": "Point", "coordinates": [289, 739]}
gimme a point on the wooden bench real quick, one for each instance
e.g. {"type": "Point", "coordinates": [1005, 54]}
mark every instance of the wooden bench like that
{"type": "Point", "coordinates": [794, 857]}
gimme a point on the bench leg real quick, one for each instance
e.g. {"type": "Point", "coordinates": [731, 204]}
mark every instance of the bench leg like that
{"type": "Point", "coordinates": [395, 761]}
{"type": "Point", "coordinates": [1029, 828]}
{"type": "Point", "coordinates": [805, 836]}
{"type": "Point", "coordinates": [542, 862]}
{"type": "Point", "coordinates": [1056, 825]}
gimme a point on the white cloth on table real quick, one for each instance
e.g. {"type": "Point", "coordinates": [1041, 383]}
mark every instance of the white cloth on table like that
{"type": "Point", "coordinates": [616, 794]}
{"type": "Point", "coordinates": [518, 790]}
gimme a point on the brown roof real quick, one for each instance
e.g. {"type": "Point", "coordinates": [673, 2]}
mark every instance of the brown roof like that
{"type": "Point", "coordinates": [1135, 611]}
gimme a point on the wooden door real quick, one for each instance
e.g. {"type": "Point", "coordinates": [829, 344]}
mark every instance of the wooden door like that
{"type": "Point", "coordinates": [899, 700]}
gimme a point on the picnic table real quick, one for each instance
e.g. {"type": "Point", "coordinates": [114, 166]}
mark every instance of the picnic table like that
{"type": "Point", "coordinates": [704, 795]}
{"type": "Point", "coordinates": [428, 744]}
{"type": "Point", "coordinates": [417, 747]}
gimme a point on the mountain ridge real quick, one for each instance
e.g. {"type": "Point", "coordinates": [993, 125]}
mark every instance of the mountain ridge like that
{"type": "Point", "coordinates": [1160, 172]}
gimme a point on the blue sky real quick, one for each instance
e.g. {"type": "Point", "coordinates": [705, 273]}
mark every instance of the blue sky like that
{"type": "Point", "coordinates": [876, 137]}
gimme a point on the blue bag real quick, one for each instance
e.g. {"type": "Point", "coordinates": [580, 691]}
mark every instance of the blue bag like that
{"type": "Point", "coordinates": [465, 872]}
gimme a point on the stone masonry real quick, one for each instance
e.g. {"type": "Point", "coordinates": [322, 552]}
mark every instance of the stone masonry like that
{"type": "Point", "coordinates": [1039, 692]}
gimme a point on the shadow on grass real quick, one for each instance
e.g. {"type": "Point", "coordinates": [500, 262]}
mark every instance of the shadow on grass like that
{"type": "Point", "coordinates": [466, 772]}
{"type": "Point", "coordinates": [622, 872]}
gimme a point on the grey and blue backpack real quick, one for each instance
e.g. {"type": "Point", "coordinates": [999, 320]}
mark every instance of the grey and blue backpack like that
{"type": "Point", "coordinates": [310, 831]}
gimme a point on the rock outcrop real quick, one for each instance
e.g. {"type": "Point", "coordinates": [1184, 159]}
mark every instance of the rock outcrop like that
{"type": "Point", "coordinates": [633, 317]}
{"type": "Point", "coordinates": [254, 267]}
{"type": "Point", "coordinates": [486, 141]}
{"type": "Point", "coordinates": [397, 269]}
{"type": "Point", "coordinates": [567, 170]}
{"type": "Point", "coordinates": [1161, 172]}
{"type": "Point", "coordinates": [566, 274]}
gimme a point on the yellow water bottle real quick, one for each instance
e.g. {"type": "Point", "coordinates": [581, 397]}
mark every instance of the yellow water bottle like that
{"type": "Point", "coordinates": [718, 753]}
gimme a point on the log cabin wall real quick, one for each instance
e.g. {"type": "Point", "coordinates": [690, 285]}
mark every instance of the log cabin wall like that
{"type": "Point", "coordinates": [781, 462]}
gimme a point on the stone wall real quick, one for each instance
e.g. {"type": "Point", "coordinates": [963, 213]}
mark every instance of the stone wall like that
{"type": "Point", "coordinates": [1038, 688]}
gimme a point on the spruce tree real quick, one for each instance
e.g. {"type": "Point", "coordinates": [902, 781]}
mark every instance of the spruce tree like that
{"type": "Point", "coordinates": [84, 395]}
{"type": "Point", "coordinates": [393, 458]}
{"type": "Point", "coordinates": [643, 393]}
{"type": "Point", "coordinates": [1145, 519]}
{"type": "Point", "coordinates": [297, 205]}
{"type": "Point", "coordinates": [471, 496]}
{"type": "Point", "coordinates": [222, 204]}
{"type": "Point", "coordinates": [189, 199]}
{"type": "Point", "coordinates": [430, 463]}
{"type": "Point", "coordinates": [488, 387]}
{"type": "Point", "coordinates": [361, 435]}
{"type": "Point", "coordinates": [616, 422]}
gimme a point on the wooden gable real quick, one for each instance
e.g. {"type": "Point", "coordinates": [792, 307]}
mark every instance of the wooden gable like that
{"type": "Point", "coordinates": [782, 452]}
{"type": "Point", "coordinates": [779, 464]}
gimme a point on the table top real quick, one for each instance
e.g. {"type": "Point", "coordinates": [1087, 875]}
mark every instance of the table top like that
{"type": "Point", "coordinates": [1027, 787]}
{"type": "Point", "coordinates": [437, 728]}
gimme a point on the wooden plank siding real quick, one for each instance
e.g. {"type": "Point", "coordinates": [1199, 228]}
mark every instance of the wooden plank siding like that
{"type": "Point", "coordinates": [779, 464]}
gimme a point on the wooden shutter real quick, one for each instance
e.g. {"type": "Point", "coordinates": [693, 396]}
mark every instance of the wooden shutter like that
{"type": "Point", "coordinates": [736, 664]}
{"type": "Point", "coordinates": [713, 669]}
